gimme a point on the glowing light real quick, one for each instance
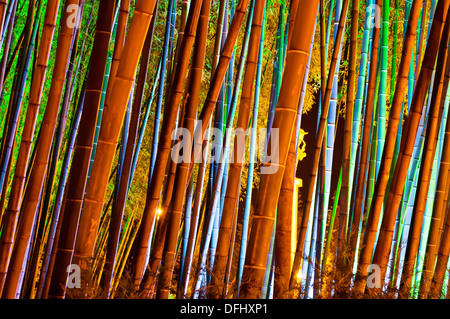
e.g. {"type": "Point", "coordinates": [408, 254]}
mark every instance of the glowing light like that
{"type": "Point", "coordinates": [158, 212]}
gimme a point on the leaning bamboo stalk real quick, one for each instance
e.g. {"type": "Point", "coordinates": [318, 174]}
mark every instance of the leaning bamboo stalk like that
{"type": "Point", "coordinates": [37, 243]}
{"type": "Point", "coordinates": [82, 150]}
{"type": "Point", "coordinates": [2, 15]}
{"type": "Point", "coordinates": [412, 122]}
{"type": "Point", "coordinates": [410, 127]}
{"type": "Point", "coordinates": [317, 150]}
{"type": "Point", "coordinates": [429, 241]}
{"type": "Point", "coordinates": [235, 169]}
{"type": "Point", "coordinates": [14, 108]}
{"type": "Point", "coordinates": [175, 209]}
{"type": "Point", "coordinates": [37, 174]}
{"type": "Point", "coordinates": [28, 129]}
{"type": "Point", "coordinates": [442, 254]}
{"type": "Point", "coordinates": [119, 37]}
{"type": "Point", "coordinates": [383, 78]}
{"type": "Point", "coordinates": [394, 118]}
{"type": "Point", "coordinates": [153, 195]}
{"type": "Point", "coordinates": [438, 218]}
{"type": "Point", "coordinates": [427, 285]}
{"type": "Point", "coordinates": [284, 121]}
{"type": "Point", "coordinates": [112, 119]}
{"type": "Point", "coordinates": [119, 41]}
{"type": "Point", "coordinates": [347, 145]}
{"type": "Point", "coordinates": [164, 57]}
{"type": "Point", "coordinates": [58, 201]}
{"type": "Point", "coordinates": [318, 270]}
{"type": "Point", "coordinates": [118, 207]}
{"type": "Point", "coordinates": [433, 125]}
{"type": "Point", "coordinates": [218, 77]}
{"type": "Point", "coordinates": [149, 278]}
{"type": "Point", "coordinates": [7, 47]}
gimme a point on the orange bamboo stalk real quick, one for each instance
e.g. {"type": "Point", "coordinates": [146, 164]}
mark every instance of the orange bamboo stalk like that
{"type": "Point", "coordinates": [384, 246]}
{"type": "Point", "coordinates": [119, 204]}
{"type": "Point", "coordinates": [317, 151]}
{"type": "Point", "coordinates": [342, 262]}
{"type": "Point", "coordinates": [175, 98]}
{"type": "Point", "coordinates": [82, 151]}
{"type": "Point", "coordinates": [284, 120]}
{"type": "Point", "coordinates": [438, 209]}
{"type": "Point", "coordinates": [215, 289]}
{"type": "Point", "coordinates": [443, 252]}
{"type": "Point", "coordinates": [195, 79]}
{"type": "Point", "coordinates": [43, 148]}
{"type": "Point", "coordinates": [112, 119]}
{"type": "Point", "coordinates": [153, 194]}
{"type": "Point", "coordinates": [433, 125]}
{"type": "Point", "coordinates": [18, 183]}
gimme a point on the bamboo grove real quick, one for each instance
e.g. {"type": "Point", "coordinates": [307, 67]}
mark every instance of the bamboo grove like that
{"type": "Point", "coordinates": [224, 149]}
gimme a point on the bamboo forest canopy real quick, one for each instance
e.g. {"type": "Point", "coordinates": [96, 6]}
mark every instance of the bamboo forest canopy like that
{"type": "Point", "coordinates": [224, 149]}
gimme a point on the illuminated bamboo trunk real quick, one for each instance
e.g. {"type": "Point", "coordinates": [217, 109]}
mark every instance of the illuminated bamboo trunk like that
{"type": "Point", "coordinates": [234, 175]}
{"type": "Point", "coordinates": [82, 151]}
{"type": "Point", "coordinates": [153, 195]}
{"type": "Point", "coordinates": [170, 25]}
{"type": "Point", "coordinates": [394, 118]}
{"type": "Point", "coordinates": [176, 206]}
{"type": "Point", "coordinates": [18, 184]}
{"type": "Point", "coordinates": [433, 125]}
{"type": "Point", "coordinates": [317, 151]}
{"type": "Point", "coordinates": [2, 16]}
{"type": "Point", "coordinates": [284, 121]}
{"type": "Point", "coordinates": [118, 207]}
{"type": "Point", "coordinates": [342, 261]}
{"type": "Point", "coordinates": [433, 269]}
{"type": "Point", "coordinates": [40, 163]}
{"type": "Point", "coordinates": [112, 119]}
{"type": "Point", "coordinates": [119, 38]}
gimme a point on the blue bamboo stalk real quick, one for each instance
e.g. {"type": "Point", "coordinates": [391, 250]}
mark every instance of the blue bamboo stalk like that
{"type": "Point", "coordinates": [56, 216]}
{"type": "Point", "coordinates": [18, 93]}
{"type": "Point", "coordinates": [170, 26]}
{"type": "Point", "coordinates": [145, 121]}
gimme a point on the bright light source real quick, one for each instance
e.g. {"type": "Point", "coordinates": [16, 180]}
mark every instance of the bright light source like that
{"type": "Point", "coordinates": [158, 212]}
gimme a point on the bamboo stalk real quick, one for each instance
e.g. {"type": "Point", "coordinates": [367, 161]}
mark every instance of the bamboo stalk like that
{"type": "Point", "coordinates": [394, 118]}
{"type": "Point", "coordinates": [82, 151]}
{"type": "Point", "coordinates": [112, 119]}
{"type": "Point", "coordinates": [433, 125]}
{"type": "Point", "coordinates": [37, 174]}
{"type": "Point", "coordinates": [317, 148]}
{"type": "Point", "coordinates": [344, 193]}
{"type": "Point", "coordinates": [235, 169]}
{"type": "Point", "coordinates": [175, 209]}
{"type": "Point", "coordinates": [156, 183]}
{"type": "Point", "coordinates": [286, 111]}
{"type": "Point", "coordinates": [118, 207]}
{"type": "Point", "coordinates": [27, 133]}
